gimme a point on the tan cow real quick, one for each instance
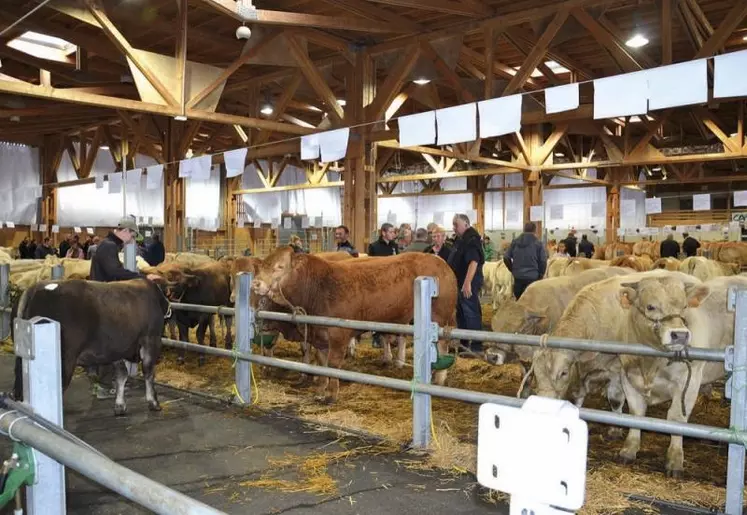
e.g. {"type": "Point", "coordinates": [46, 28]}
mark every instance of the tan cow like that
{"type": "Point", "coordinates": [637, 263]}
{"type": "Point", "coordinates": [556, 266]}
{"type": "Point", "coordinates": [540, 308]}
{"type": "Point", "coordinates": [657, 308]}
{"type": "Point", "coordinates": [669, 263]}
{"type": "Point", "coordinates": [707, 269]}
{"type": "Point", "coordinates": [578, 265]}
{"type": "Point", "coordinates": [732, 252]}
{"type": "Point", "coordinates": [499, 282]}
{"type": "Point", "coordinates": [378, 290]}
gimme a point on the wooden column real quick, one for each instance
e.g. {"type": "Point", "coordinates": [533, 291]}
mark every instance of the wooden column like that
{"type": "Point", "coordinates": [531, 147]}
{"type": "Point", "coordinates": [532, 194]}
{"type": "Point", "coordinates": [613, 207]}
{"type": "Point", "coordinates": [477, 186]}
{"type": "Point", "coordinates": [173, 216]}
{"type": "Point", "coordinates": [359, 192]}
{"type": "Point", "coordinates": [50, 156]}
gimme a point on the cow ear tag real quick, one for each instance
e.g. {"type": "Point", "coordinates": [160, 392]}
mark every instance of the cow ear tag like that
{"type": "Point", "coordinates": [51, 287]}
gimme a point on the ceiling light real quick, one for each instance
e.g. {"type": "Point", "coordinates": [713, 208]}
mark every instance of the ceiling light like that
{"type": "Point", "coordinates": [733, 135]}
{"type": "Point", "coordinates": [744, 38]}
{"type": "Point", "coordinates": [559, 154]}
{"type": "Point", "coordinates": [341, 102]}
{"type": "Point", "coordinates": [422, 81]}
{"type": "Point", "coordinates": [556, 67]}
{"type": "Point", "coordinates": [180, 118]}
{"type": "Point", "coordinates": [15, 118]}
{"type": "Point", "coordinates": [656, 168]}
{"type": "Point", "coordinates": [637, 41]}
{"type": "Point", "coordinates": [495, 154]}
{"type": "Point", "coordinates": [466, 161]}
{"type": "Point", "coordinates": [103, 147]}
{"type": "Point", "coordinates": [267, 110]}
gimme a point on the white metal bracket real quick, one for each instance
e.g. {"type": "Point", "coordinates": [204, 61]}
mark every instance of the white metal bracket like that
{"type": "Point", "coordinates": [537, 454]}
{"type": "Point", "coordinates": [23, 338]}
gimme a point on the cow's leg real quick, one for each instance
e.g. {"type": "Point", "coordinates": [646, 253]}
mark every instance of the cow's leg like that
{"type": "Point", "coordinates": [401, 351]}
{"type": "Point", "coordinates": [172, 329]}
{"type": "Point", "coordinates": [336, 356]}
{"type": "Point", "coordinates": [387, 348]}
{"type": "Point", "coordinates": [323, 383]}
{"type": "Point", "coordinates": [120, 379]}
{"type": "Point", "coordinates": [675, 465]}
{"type": "Point", "coordinates": [202, 326]}
{"type": "Point", "coordinates": [228, 336]}
{"type": "Point", "coordinates": [150, 349]}
{"type": "Point", "coordinates": [213, 333]}
{"type": "Point", "coordinates": [351, 347]}
{"type": "Point", "coordinates": [637, 406]}
{"type": "Point", "coordinates": [616, 398]}
{"type": "Point", "coordinates": [184, 337]}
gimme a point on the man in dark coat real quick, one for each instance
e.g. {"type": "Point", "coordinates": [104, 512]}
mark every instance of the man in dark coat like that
{"type": "Point", "coordinates": [570, 244]}
{"type": "Point", "coordinates": [385, 245]}
{"type": "Point", "coordinates": [690, 246]}
{"type": "Point", "coordinates": [669, 247]}
{"type": "Point", "coordinates": [585, 247]}
{"type": "Point", "coordinates": [467, 260]}
{"type": "Point", "coordinates": [342, 237]}
{"type": "Point", "coordinates": [526, 258]}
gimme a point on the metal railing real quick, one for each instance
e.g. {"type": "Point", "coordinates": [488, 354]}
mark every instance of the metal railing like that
{"type": "Point", "coordinates": [426, 334]}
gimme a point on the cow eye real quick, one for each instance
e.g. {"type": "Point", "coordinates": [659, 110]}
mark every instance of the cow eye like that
{"type": "Point", "coordinates": [650, 308]}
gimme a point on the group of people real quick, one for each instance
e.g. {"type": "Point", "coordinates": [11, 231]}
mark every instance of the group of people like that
{"type": "Point", "coordinates": [571, 247]}
{"type": "Point", "coordinates": [670, 248]}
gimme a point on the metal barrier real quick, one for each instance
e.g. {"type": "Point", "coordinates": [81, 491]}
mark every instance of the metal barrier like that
{"type": "Point", "coordinates": [426, 334]}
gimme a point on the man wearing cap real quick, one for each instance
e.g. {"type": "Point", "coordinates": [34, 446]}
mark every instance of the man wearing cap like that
{"type": "Point", "coordinates": [106, 267]}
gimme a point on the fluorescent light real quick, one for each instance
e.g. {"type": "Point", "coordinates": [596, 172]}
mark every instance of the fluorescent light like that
{"type": "Point", "coordinates": [180, 118]}
{"type": "Point", "coordinates": [637, 41]}
{"type": "Point", "coordinates": [733, 135]}
{"type": "Point", "coordinates": [466, 161]}
{"type": "Point", "coordinates": [559, 154]}
{"type": "Point", "coordinates": [495, 154]}
{"type": "Point", "coordinates": [104, 147]}
{"type": "Point", "coordinates": [341, 102]}
{"type": "Point", "coordinates": [656, 169]}
{"type": "Point", "coordinates": [267, 110]}
{"type": "Point", "coordinates": [744, 38]}
{"type": "Point", "coordinates": [422, 81]}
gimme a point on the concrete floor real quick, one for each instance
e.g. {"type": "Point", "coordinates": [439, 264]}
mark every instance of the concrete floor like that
{"type": "Point", "coordinates": [206, 450]}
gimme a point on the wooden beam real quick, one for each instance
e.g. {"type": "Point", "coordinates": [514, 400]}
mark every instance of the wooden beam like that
{"type": "Point", "coordinates": [231, 69]}
{"type": "Point", "coordinates": [141, 137]}
{"type": "Point", "coordinates": [393, 83]}
{"type": "Point", "coordinates": [537, 53]}
{"type": "Point", "coordinates": [455, 7]}
{"type": "Point", "coordinates": [617, 49]}
{"type": "Point", "coordinates": [181, 53]}
{"type": "Point", "coordinates": [267, 17]}
{"type": "Point", "coordinates": [545, 150]}
{"type": "Point", "coordinates": [93, 151]}
{"type": "Point", "coordinates": [449, 75]}
{"type": "Point", "coordinates": [281, 105]}
{"type": "Point", "coordinates": [124, 46]}
{"type": "Point", "coordinates": [498, 68]}
{"type": "Point", "coordinates": [45, 78]}
{"type": "Point", "coordinates": [364, 9]}
{"type": "Point", "coordinates": [642, 144]}
{"type": "Point", "coordinates": [732, 20]}
{"type": "Point", "coordinates": [323, 39]}
{"type": "Point", "coordinates": [666, 31]}
{"type": "Point", "coordinates": [700, 16]}
{"type": "Point", "coordinates": [707, 119]}
{"type": "Point", "coordinates": [190, 131]}
{"type": "Point", "coordinates": [73, 155]}
{"type": "Point", "coordinates": [446, 153]}
{"type": "Point", "coordinates": [315, 79]}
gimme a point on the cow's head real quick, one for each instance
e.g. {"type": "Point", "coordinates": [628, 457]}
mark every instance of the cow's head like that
{"type": "Point", "coordinates": [557, 372]}
{"type": "Point", "coordinates": [273, 275]}
{"type": "Point", "coordinates": [176, 281]}
{"type": "Point", "coordinates": [242, 264]}
{"type": "Point", "coordinates": [657, 308]}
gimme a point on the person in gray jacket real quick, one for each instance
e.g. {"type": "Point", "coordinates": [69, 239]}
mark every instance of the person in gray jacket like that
{"type": "Point", "coordinates": [526, 259]}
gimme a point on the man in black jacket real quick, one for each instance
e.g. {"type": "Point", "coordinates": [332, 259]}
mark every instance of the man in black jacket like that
{"type": "Point", "coordinates": [669, 247]}
{"type": "Point", "coordinates": [526, 258]}
{"type": "Point", "coordinates": [43, 250]}
{"type": "Point", "coordinates": [570, 244]}
{"type": "Point", "coordinates": [385, 245]}
{"type": "Point", "coordinates": [585, 247]}
{"type": "Point", "coordinates": [690, 246]}
{"type": "Point", "coordinates": [466, 260]}
{"type": "Point", "coordinates": [106, 267]}
{"type": "Point", "coordinates": [342, 237]}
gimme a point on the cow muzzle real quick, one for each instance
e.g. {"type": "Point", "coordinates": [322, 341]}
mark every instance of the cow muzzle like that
{"type": "Point", "coordinates": [676, 339]}
{"type": "Point", "coordinates": [261, 288]}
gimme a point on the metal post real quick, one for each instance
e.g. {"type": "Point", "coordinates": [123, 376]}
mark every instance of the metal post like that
{"type": "Point", "coordinates": [37, 342]}
{"type": "Point", "coordinates": [58, 272]}
{"type": "Point", "coordinates": [4, 300]}
{"type": "Point", "coordinates": [244, 316]}
{"type": "Point", "coordinates": [426, 335]}
{"type": "Point", "coordinates": [130, 263]}
{"type": "Point", "coordinates": [738, 421]}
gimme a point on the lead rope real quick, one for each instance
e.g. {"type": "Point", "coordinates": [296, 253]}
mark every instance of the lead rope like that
{"type": "Point", "coordinates": [543, 346]}
{"type": "Point", "coordinates": [683, 356]}
{"type": "Point", "coordinates": [297, 310]}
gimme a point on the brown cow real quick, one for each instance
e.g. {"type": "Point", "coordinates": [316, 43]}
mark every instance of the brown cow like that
{"type": "Point", "coordinates": [637, 263]}
{"type": "Point", "coordinates": [671, 264]}
{"type": "Point", "coordinates": [377, 290]}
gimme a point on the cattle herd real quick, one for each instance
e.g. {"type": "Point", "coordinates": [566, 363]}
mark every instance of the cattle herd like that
{"type": "Point", "coordinates": [624, 293]}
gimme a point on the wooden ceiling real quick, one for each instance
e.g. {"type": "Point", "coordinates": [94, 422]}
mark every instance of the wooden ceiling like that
{"type": "Point", "coordinates": [584, 36]}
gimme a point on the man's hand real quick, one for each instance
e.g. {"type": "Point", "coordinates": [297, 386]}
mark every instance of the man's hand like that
{"type": "Point", "coordinates": [467, 290]}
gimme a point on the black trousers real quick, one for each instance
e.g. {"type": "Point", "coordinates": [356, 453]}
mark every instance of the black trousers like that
{"type": "Point", "coordinates": [520, 285]}
{"type": "Point", "coordinates": [469, 316]}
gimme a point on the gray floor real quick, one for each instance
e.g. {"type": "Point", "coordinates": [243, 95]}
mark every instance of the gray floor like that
{"type": "Point", "coordinates": [206, 451]}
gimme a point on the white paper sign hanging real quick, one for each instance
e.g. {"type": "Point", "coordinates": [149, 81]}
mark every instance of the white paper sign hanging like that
{"type": "Point", "coordinates": [148, 234]}
{"type": "Point", "coordinates": [257, 224]}
{"type": "Point", "coordinates": [627, 208]}
{"type": "Point", "coordinates": [42, 227]}
{"type": "Point", "coordinates": [89, 230]}
{"type": "Point", "coordinates": [77, 230]}
{"type": "Point", "coordinates": [457, 124]}
{"type": "Point", "coordinates": [115, 183]}
{"type": "Point", "coordinates": [133, 179]}
{"type": "Point", "coordinates": [728, 74]}
{"type": "Point", "coordinates": [304, 222]}
{"type": "Point", "coordinates": [333, 145]}
{"type": "Point", "coordinates": [275, 222]}
{"type": "Point", "coordinates": [620, 231]}
{"type": "Point", "coordinates": [702, 202]}
{"type": "Point", "coordinates": [234, 161]}
{"type": "Point", "coordinates": [678, 84]}
{"type": "Point", "coordinates": [653, 205]}
{"type": "Point", "coordinates": [318, 221]}
{"type": "Point", "coordinates": [99, 181]}
{"type": "Point", "coordinates": [153, 177]}
{"type": "Point", "coordinates": [185, 168]}
{"type": "Point", "coordinates": [55, 229]}
{"type": "Point", "coordinates": [740, 198]}
{"type": "Point", "coordinates": [10, 225]}
{"type": "Point", "coordinates": [287, 222]}
{"type": "Point", "coordinates": [417, 129]}
{"type": "Point", "coordinates": [499, 116]}
{"type": "Point", "coordinates": [621, 95]}
{"type": "Point", "coordinates": [556, 212]}
{"type": "Point", "coordinates": [561, 98]}
{"type": "Point", "coordinates": [310, 147]}
{"type": "Point", "coordinates": [536, 213]}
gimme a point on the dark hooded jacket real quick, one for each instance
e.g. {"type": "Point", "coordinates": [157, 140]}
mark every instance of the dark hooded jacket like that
{"type": "Point", "coordinates": [526, 258]}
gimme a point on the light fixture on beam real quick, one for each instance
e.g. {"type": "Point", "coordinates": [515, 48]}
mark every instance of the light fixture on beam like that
{"type": "Point", "coordinates": [422, 81]}
{"type": "Point", "coordinates": [637, 41]}
{"type": "Point", "coordinates": [744, 38]}
{"type": "Point", "coordinates": [559, 154]}
{"type": "Point", "coordinates": [15, 118]}
{"type": "Point", "coordinates": [104, 147]}
{"type": "Point", "coordinates": [180, 118]}
{"type": "Point", "coordinates": [656, 169]}
{"type": "Point", "coordinates": [267, 110]}
{"type": "Point", "coordinates": [342, 102]}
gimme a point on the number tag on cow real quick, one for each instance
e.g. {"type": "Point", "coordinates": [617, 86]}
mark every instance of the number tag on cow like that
{"type": "Point", "coordinates": [537, 454]}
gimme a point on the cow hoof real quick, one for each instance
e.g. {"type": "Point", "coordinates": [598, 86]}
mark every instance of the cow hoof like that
{"type": "Point", "coordinates": [675, 473]}
{"type": "Point", "coordinates": [399, 364]}
{"type": "Point", "coordinates": [154, 406]}
{"type": "Point", "coordinates": [120, 410]}
{"type": "Point", "coordinates": [624, 459]}
{"type": "Point", "coordinates": [614, 433]}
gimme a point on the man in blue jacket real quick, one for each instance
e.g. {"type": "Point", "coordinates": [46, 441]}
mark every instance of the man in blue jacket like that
{"type": "Point", "coordinates": [526, 258]}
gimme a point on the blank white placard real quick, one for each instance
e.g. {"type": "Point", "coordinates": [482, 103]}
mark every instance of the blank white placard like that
{"type": "Point", "coordinates": [653, 205]}
{"type": "Point", "coordinates": [185, 168]}
{"type": "Point", "coordinates": [99, 181]}
{"type": "Point", "coordinates": [740, 198]}
{"type": "Point", "coordinates": [333, 145]}
{"type": "Point", "coordinates": [561, 98]}
{"type": "Point", "coordinates": [728, 74]}
{"type": "Point", "coordinates": [310, 147]}
{"type": "Point", "coordinates": [556, 212]}
{"type": "Point", "coordinates": [499, 116]}
{"type": "Point", "coordinates": [621, 95]}
{"type": "Point", "coordinates": [115, 182]}
{"type": "Point", "coordinates": [702, 202]}
{"type": "Point", "coordinates": [457, 124]}
{"type": "Point", "coordinates": [536, 213]}
{"type": "Point", "coordinates": [417, 129]}
{"type": "Point", "coordinates": [678, 84]}
{"type": "Point", "coordinates": [200, 168]}
{"type": "Point", "coordinates": [234, 161]}
{"type": "Point", "coordinates": [133, 179]}
{"type": "Point", "coordinates": [627, 208]}
{"type": "Point", "coordinates": [153, 175]}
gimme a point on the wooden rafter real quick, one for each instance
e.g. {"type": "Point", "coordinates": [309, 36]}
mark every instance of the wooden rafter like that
{"type": "Point", "coordinates": [141, 136]}
{"type": "Point", "coordinates": [642, 144]}
{"type": "Point", "coordinates": [666, 31]}
{"type": "Point", "coordinates": [498, 68]}
{"type": "Point", "coordinates": [537, 53]}
{"type": "Point", "coordinates": [282, 104]}
{"type": "Point", "coordinates": [546, 149]}
{"type": "Point", "coordinates": [707, 119]}
{"type": "Point", "coordinates": [93, 151]}
{"type": "Point", "coordinates": [124, 46]}
{"type": "Point", "coordinates": [73, 155]}
{"type": "Point", "coordinates": [732, 20]}
{"type": "Point", "coordinates": [393, 83]}
{"type": "Point", "coordinates": [315, 79]}
{"type": "Point", "coordinates": [489, 38]}
{"type": "Point", "coordinates": [364, 9]}
{"type": "Point", "coordinates": [181, 53]}
{"type": "Point", "coordinates": [617, 49]}
{"type": "Point", "coordinates": [449, 75]}
{"type": "Point", "coordinates": [457, 7]}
